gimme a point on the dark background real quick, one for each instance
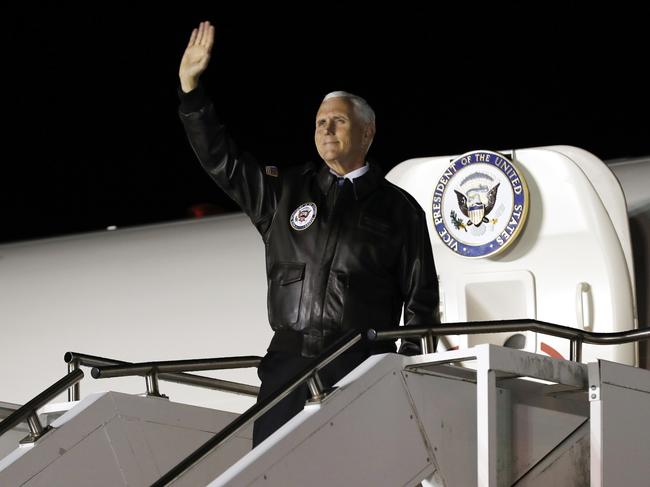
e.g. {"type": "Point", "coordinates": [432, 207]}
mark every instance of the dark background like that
{"type": "Point", "coordinates": [91, 137]}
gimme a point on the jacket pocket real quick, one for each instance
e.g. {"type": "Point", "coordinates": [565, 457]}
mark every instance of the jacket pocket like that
{"type": "Point", "coordinates": [285, 293]}
{"type": "Point", "coordinates": [375, 225]}
{"type": "Point", "coordinates": [335, 302]}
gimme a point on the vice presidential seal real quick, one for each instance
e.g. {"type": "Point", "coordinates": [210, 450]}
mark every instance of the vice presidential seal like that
{"type": "Point", "coordinates": [303, 216]}
{"type": "Point", "coordinates": [480, 204]}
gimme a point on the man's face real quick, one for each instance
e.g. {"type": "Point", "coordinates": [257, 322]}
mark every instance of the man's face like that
{"type": "Point", "coordinates": [340, 136]}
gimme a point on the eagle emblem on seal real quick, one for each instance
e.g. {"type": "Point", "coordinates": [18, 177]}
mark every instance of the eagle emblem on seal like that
{"type": "Point", "coordinates": [478, 204]}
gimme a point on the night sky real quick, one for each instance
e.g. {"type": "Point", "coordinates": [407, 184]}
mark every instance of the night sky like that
{"type": "Point", "coordinates": [91, 136]}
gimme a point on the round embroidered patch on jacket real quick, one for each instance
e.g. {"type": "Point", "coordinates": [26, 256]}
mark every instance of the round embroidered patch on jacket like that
{"type": "Point", "coordinates": [303, 216]}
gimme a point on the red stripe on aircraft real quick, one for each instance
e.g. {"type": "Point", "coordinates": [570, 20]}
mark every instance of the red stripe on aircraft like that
{"type": "Point", "coordinates": [551, 351]}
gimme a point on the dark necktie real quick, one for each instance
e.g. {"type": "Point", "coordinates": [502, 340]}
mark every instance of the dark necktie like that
{"type": "Point", "coordinates": [339, 192]}
{"type": "Point", "coordinates": [344, 188]}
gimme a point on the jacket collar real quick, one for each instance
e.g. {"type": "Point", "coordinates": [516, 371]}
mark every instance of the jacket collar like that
{"type": "Point", "coordinates": [361, 186]}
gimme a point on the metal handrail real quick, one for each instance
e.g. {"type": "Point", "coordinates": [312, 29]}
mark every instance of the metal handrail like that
{"type": "Point", "coordinates": [145, 368]}
{"type": "Point", "coordinates": [27, 412]}
{"type": "Point", "coordinates": [75, 360]}
{"type": "Point", "coordinates": [576, 336]}
{"type": "Point", "coordinates": [308, 375]}
{"type": "Point", "coordinates": [426, 334]}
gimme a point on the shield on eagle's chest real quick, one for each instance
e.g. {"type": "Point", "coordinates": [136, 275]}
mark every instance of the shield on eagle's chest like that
{"type": "Point", "coordinates": [476, 213]}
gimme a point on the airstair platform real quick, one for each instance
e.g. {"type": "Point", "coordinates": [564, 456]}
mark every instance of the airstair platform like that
{"type": "Point", "coordinates": [486, 416]}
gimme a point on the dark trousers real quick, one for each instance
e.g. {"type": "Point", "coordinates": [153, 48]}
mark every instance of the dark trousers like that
{"type": "Point", "coordinates": [277, 368]}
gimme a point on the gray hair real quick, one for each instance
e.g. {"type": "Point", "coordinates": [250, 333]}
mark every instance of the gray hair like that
{"type": "Point", "coordinates": [361, 107]}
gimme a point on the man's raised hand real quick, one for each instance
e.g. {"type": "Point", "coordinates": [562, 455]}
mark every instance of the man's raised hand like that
{"type": "Point", "coordinates": [196, 56]}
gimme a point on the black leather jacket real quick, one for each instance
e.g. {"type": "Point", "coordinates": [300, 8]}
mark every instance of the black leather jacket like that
{"type": "Point", "coordinates": [350, 260]}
